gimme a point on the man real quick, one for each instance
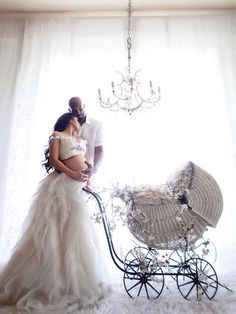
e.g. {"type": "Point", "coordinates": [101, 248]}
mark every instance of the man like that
{"type": "Point", "coordinates": [91, 131]}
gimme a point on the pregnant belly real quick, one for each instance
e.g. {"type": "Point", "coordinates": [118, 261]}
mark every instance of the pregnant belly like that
{"type": "Point", "coordinates": [76, 163]}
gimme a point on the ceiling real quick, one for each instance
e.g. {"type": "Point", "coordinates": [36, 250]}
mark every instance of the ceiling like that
{"type": "Point", "coordinates": [29, 6]}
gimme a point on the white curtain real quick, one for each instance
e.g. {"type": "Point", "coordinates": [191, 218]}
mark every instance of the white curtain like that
{"type": "Point", "coordinates": [45, 61]}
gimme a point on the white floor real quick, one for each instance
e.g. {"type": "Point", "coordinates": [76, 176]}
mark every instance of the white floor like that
{"type": "Point", "coordinates": [170, 301]}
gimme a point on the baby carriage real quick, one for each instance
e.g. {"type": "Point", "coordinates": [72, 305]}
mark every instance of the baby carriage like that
{"type": "Point", "coordinates": [168, 218]}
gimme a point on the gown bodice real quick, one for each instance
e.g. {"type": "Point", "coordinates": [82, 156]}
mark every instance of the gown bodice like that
{"type": "Point", "coordinates": [69, 146]}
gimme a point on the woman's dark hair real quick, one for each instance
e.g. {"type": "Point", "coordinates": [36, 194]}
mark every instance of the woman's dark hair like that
{"type": "Point", "coordinates": [63, 121]}
{"type": "Point", "coordinates": [60, 126]}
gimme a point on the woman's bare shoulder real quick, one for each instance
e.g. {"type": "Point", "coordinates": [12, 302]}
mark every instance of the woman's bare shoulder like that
{"type": "Point", "coordinates": [54, 137]}
{"type": "Point", "coordinates": [56, 133]}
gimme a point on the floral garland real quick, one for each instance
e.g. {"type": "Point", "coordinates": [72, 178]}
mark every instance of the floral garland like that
{"type": "Point", "coordinates": [121, 202]}
{"type": "Point", "coordinates": [124, 202]}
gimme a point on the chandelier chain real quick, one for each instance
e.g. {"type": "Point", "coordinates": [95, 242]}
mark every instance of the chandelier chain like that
{"type": "Point", "coordinates": [129, 44]}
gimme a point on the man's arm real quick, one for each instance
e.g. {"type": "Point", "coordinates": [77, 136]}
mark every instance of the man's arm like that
{"type": "Point", "coordinates": [98, 150]}
{"type": "Point", "coordinates": [98, 157]}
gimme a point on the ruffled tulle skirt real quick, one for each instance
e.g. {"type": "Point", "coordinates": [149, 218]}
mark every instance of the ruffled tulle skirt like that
{"type": "Point", "coordinates": [57, 261]}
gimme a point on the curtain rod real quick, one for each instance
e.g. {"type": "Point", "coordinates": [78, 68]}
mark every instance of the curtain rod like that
{"type": "Point", "coordinates": [110, 14]}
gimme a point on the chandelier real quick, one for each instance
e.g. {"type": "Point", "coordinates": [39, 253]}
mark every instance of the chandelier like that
{"type": "Point", "coordinates": [126, 94]}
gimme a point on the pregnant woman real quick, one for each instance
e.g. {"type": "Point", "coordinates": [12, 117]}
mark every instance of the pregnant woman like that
{"type": "Point", "coordinates": [56, 263]}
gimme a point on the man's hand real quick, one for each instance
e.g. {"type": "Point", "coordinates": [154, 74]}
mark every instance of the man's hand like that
{"type": "Point", "coordinates": [89, 171]}
{"type": "Point", "coordinates": [80, 176]}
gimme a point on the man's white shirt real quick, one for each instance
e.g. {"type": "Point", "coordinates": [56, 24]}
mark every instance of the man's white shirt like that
{"type": "Point", "coordinates": [92, 132]}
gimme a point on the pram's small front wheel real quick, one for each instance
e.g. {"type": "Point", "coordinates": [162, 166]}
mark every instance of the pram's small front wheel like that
{"type": "Point", "coordinates": [176, 259]}
{"type": "Point", "coordinates": [197, 279]}
{"type": "Point", "coordinates": [142, 278]}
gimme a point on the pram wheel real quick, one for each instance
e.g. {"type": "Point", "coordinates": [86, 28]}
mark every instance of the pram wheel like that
{"type": "Point", "coordinates": [205, 249]}
{"type": "Point", "coordinates": [176, 259]}
{"type": "Point", "coordinates": [142, 278]}
{"type": "Point", "coordinates": [197, 279]}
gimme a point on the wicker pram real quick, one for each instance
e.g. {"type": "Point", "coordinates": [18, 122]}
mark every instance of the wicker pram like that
{"type": "Point", "coordinates": [169, 217]}
{"type": "Point", "coordinates": [189, 201]}
{"type": "Point", "coordinates": [167, 220]}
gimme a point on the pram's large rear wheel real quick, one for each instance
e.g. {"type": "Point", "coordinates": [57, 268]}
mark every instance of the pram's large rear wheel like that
{"type": "Point", "coordinates": [141, 277]}
{"type": "Point", "coordinates": [205, 249]}
{"type": "Point", "coordinates": [197, 279]}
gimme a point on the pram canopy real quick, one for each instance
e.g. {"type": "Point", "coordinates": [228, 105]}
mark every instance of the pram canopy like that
{"type": "Point", "coordinates": [161, 216]}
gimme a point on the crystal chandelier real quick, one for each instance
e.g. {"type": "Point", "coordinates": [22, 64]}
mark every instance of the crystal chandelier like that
{"type": "Point", "coordinates": [126, 94]}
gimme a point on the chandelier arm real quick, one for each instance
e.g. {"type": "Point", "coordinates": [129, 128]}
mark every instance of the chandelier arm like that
{"type": "Point", "coordinates": [106, 104]}
{"type": "Point", "coordinates": [123, 79]}
{"type": "Point", "coordinates": [120, 97]}
{"type": "Point", "coordinates": [110, 103]}
{"type": "Point", "coordinates": [135, 75]}
{"type": "Point", "coordinates": [136, 108]}
{"type": "Point", "coordinates": [150, 99]}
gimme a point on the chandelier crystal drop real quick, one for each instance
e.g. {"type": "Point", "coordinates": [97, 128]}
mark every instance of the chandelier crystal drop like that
{"type": "Point", "coordinates": [127, 94]}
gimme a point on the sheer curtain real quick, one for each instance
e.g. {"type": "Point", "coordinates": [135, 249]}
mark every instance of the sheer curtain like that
{"type": "Point", "coordinates": [45, 61]}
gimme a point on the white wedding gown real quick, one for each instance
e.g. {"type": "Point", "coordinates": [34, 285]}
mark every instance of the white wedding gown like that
{"type": "Point", "coordinates": [56, 262]}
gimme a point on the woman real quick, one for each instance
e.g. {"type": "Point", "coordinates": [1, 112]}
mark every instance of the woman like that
{"type": "Point", "coordinates": [69, 157]}
{"type": "Point", "coordinates": [56, 263]}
